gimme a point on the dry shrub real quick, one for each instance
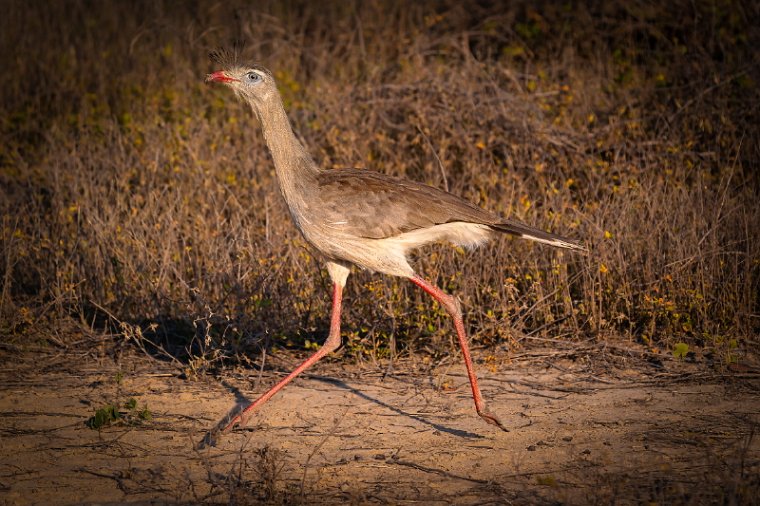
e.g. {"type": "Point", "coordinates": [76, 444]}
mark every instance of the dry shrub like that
{"type": "Point", "coordinates": [129, 186]}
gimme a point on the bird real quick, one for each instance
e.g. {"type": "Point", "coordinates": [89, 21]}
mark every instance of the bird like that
{"type": "Point", "coordinates": [365, 219]}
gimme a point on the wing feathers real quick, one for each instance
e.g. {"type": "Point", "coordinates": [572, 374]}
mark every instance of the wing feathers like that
{"type": "Point", "coordinates": [534, 234]}
{"type": "Point", "coordinates": [377, 206]}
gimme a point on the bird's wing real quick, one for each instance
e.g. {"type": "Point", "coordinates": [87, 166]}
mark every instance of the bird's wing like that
{"type": "Point", "coordinates": [374, 205]}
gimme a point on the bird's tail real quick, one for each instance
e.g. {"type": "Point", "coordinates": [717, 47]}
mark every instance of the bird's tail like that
{"type": "Point", "coordinates": [534, 234]}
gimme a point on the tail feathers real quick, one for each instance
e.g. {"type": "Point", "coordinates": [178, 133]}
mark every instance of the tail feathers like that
{"type": "Point", "coordinates": [534, 234]}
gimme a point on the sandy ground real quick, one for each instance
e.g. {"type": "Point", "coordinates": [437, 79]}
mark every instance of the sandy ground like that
{"type": "Point", "coordinates": [352, 434]}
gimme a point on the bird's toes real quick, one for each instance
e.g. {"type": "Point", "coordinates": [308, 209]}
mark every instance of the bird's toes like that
{"type": "Point", "coordinates": [489, 418]}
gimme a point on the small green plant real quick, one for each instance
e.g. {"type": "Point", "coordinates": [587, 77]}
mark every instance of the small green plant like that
{"type": "Point", "coordinates": [103, 417]}
{"type": "Point", "coordinates": [111, 415]}
{"type": "Point", "coordinates": [732, 354]}
{"type": "Point", "coordinates": [145, 414]}
{"type": "Point", "coordinates": [680, 350]}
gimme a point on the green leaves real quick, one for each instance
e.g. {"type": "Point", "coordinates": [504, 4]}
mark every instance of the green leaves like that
{"type": "Point", "coordinates": [111, 415]}
{"type": "Point", "coordinates": [104, 416]}
{"type": "Point", "coordinates": [680, 350]}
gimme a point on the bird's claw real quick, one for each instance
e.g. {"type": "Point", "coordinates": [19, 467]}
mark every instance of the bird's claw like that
{"type": "Point", "coordinates": [210, 439]}
{"type": "Point", "coordinates": [489, 418]}
{"type": "Point", "coordinates": [238, 420]}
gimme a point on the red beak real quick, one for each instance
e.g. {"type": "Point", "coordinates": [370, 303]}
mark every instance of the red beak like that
{"type": "Point", "coordinates": [219, 77]}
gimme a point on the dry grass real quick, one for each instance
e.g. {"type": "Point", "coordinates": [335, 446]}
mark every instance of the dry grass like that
{"type": "Point", "coordinates": [131, 189]}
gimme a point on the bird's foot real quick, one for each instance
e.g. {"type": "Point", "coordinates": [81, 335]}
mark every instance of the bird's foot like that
{"type": "Point", "coordinates": [238, 420]}
{"type": "Point", "coordinates": [211, 437]}
{"type": "Point", "coordinates": [489, 418]}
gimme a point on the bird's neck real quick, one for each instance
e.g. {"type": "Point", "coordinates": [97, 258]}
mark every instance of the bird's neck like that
{"type": "Point", "coordinates": [296, 171]}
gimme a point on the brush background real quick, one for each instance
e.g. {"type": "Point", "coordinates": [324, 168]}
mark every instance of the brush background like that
{"type": "Point", "coordinates": [137, 201]}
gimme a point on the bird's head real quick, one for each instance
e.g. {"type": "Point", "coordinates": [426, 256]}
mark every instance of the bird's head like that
{"type": "Point", "coordinates": [253, 83]}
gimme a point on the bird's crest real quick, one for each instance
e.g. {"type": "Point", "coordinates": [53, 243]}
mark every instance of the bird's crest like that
{"type": "Point", "coordinates": [234, 56]}
{"type": "Point", "coordinates": [228, 56]}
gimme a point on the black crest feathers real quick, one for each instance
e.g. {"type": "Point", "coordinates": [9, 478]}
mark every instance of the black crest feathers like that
{"type": "Point", "coordinates": [227, 56]}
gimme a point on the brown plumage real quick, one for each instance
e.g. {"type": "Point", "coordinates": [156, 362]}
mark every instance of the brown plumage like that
{"type": "Point", "coordinates": [414, 206]}
{"type": "Point", "coordinates": [363, 218]}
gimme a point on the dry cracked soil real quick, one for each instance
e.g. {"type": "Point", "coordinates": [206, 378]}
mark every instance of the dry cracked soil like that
{"type": "Point", "coordinates": [579, 434]}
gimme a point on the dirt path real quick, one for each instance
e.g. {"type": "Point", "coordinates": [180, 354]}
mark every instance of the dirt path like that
{"type": "Point", "coordinates": [354, 436]}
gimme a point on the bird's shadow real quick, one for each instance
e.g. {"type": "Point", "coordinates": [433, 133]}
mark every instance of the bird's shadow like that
{"type": "Point", "coordinates": [359, 393]}
{"type": "Point", "coordinates": [211, 437]}
{"type": "Point", "coordinates": [241, 401]}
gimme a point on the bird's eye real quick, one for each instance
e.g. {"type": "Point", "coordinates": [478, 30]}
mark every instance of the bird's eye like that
{"type": "Point", "coordinates": [253, 77]}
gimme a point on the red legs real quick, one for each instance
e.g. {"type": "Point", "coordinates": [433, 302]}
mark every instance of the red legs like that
{"type": "Point", "coordinates": [452, 306]}
{"type": "Point", "coordinates": [331, 344]}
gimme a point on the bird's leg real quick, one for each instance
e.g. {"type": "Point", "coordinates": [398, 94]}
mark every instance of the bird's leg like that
{"type": "Point", "coordinates": [452, 306]}
{"type": "Point", "coordinates": [331, 344]}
